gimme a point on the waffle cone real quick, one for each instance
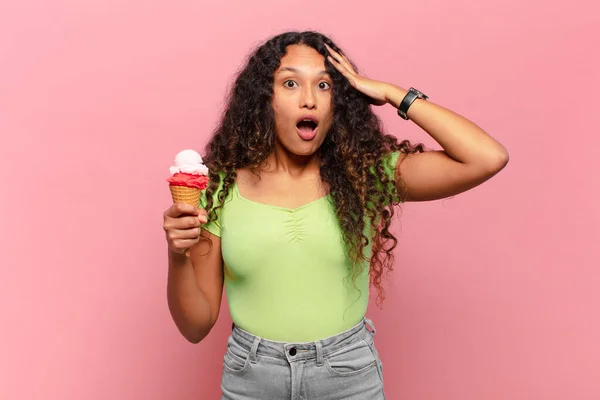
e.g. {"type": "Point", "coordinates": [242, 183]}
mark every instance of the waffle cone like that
{"type": "Point", "coordinates": [184, 194]}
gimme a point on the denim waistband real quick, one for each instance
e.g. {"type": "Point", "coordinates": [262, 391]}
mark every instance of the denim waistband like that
{"type": "Point", "coordinates": [301, 350]}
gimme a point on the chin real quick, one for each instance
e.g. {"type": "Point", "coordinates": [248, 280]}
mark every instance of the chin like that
{"type": "Point", "coordinates": [302, 148]}
{"type": "Point", "coordinates": [304, 152]}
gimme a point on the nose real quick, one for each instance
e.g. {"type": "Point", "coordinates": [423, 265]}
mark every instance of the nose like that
{"type": "Point", "coordinates": [308, 98]}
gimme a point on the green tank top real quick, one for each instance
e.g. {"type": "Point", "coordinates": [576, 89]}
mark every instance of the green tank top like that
{"type": "Point", "coordinates": [286, 270]}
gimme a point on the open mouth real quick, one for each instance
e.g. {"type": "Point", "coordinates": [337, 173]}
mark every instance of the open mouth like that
{"type": "Point", "coordinates": [307, 127]}
{"type": "Point", "coordinates": [307, 124]}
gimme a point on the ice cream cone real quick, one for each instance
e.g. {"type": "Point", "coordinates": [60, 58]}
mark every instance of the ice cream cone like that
{"type": "Point", "coordinates": [189, 176]}
{"type": "Point", "coordinates": [187, 195]}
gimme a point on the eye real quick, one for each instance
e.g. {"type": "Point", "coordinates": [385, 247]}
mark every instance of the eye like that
{"type": "Point", "coordinates": [324, 85]}
{"type": "Point", "coordinates": [290, 84]}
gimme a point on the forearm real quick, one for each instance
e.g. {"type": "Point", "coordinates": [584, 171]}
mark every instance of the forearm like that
{"type": "Point", "coordinates": [460, 138]}
{"type": "Point", "coordinates": [189, 307]}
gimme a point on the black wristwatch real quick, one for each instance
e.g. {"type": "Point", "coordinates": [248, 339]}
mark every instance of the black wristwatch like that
{"type": "Point", "coordinates": [407, 101]}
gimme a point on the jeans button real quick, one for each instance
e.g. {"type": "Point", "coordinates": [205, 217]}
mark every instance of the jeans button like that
{"type": "Point", "coordinates": [293, 351]}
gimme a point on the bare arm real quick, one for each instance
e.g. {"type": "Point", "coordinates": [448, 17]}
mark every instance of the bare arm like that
{"type": "Point", "coordinates": [470, 155]}
{"type": "Point", "coordinates": [195, 284]}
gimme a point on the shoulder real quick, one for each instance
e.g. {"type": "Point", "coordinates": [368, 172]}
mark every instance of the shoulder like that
{"type": "Point", "coordinates": [219, 179]}
{"type": "Point", "coordinates": [388, 162]}
{"type": "Point", "coordinates": [215, 186]}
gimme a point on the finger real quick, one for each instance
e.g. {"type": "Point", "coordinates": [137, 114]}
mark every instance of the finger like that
{"type": "Point", "coordinates": [341, 67]}
{"type": "Point", "coordinates": [182, 245]}
{"type": "Point", "coordinates": [341, 59]}
{"type": "Point", "coordinates": [202, 213]}
{"type": "Point", "coordinates": [337, 64]}
{"type": "Point", "coordinates": [203, 218]}
{"type": "Point", "coordinates": [344, 61]}
{"type": "Point", "coordinates": [332, 51]}
{"type": "Point", "coordinates": [342, 70]}
{"type": "Point", "coordinates": [182, 223]}
{"type": "Point", "coordinates": [334, 54]}
{"type": "Point", "coordinates": [176, 235]}
{"type": "Point", "coordinates": [178, 209]}
{"type": "Point", "coordinates": [188, 222]}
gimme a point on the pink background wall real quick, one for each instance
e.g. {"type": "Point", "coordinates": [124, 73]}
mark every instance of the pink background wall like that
{"type": "Point", "coordinates": [495, 294]}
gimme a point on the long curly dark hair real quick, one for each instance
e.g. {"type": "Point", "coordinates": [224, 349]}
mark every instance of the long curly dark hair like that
{"type": "Point", "coordinates": [351, 154]}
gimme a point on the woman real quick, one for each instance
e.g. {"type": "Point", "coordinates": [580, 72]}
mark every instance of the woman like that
{"type": "Point", "coordinates": [295, 221]}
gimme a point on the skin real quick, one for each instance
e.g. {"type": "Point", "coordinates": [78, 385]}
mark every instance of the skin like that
{"type": "Point", "coordinates": [301, 86]}
{"type": "Point", "coordinates": [290, 177]}
{"type": "Point", "coordinates": [469, 157]}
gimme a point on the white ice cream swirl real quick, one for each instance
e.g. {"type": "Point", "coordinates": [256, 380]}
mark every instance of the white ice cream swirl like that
{"type": "Point", "coordinates": [189, 162]}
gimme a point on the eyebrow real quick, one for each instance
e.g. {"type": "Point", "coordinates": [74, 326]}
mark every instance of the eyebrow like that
{"type": "Point", "coordinates": [297, 71]}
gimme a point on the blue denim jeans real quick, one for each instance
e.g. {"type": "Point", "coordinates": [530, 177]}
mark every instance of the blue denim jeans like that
{"type": "Point", "coordinates": [345, 366]}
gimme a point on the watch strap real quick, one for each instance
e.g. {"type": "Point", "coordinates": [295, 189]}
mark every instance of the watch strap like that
{"type": "Point", "coordinates": [407, 101]}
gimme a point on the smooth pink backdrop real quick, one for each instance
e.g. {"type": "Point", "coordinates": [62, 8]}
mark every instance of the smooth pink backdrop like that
{"type": "Point", "coordinates": [495, 293]}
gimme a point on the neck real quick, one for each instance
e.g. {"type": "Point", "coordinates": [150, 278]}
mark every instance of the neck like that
{"type": "Point", "coordinates": [282, 161]}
